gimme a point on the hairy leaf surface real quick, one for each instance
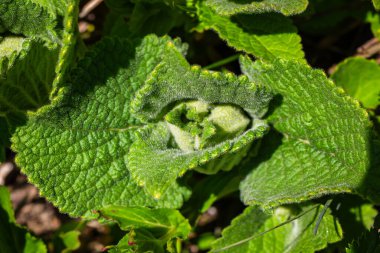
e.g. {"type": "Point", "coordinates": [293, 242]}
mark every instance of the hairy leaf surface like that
{"type": "Point", "coordinates": [155, 165]}
{"type": "Point", "coordinates": [76, 150]}
{"type": "Point", "coordinates": [231, 7]}
{"type": "Point", "coordinates": [256, 231]}
{"type": "Point", "coordinates": [325, 147]}
{"type": "Point", "coordinates": [266, 36]}
{"type": "Point", "coordinates": [26, 76]}
{"type": "Point", "coordinates": [360, 78]}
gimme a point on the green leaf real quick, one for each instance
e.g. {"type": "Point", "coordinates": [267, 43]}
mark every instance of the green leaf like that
{"type": "Point", "coordinates": [148, 229]}
{"type": "Point", "coordinates": [33, 18]}
{"type": "Point", "coordinates": [30, 18]}
{"type": "Point", "coordinates": [257, 231]}
{"type": "Point", "coordinates": [30, 67]}
{"type": "Point", "coordinates": [326, 145]}
{"type": "Point", "coordinates": [81, 164]}
{"type": "Point", "coordinates": [266, 36]}
{"type": "Point", "coordinates": [376, 3]}
{"type": "Point", "coordinates": [14, 238]}
{"type": "Point", "coordinates": [360, 78]}
{"type": "Point", "coordinates": [163, 223]}
{"type": "Point", "coordinates": [70, 241]}
{"type": "Point", "coordinates": [27, 73]}
{"type": "Point", "coordinates": [153, 163]}
{"type": "Point", "coordinates": [26, 76]}
{"type": "Point", "coordinates": [231, 7]}
{"type": "Point", "coordinates": [373, 18]}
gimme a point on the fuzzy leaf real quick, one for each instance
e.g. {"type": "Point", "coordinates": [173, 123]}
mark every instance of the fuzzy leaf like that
{"type": "Point", "coordinates": [76, 149]}
{"type": "Point", "coordinates": [360, 78]}
{"type": "Point", "coordinates": [252, 231]}
{"type": "Point", "coordinates": [231, 7]}
{"type": "Point", "coordinates": [26, 76]}
{"type": "Point", "coordinates": [34, 18]}
{"type": "Point", "coordinates": [156, 166]}
{"type": "Point", "coordinates": [30, 67]}
{"type": "Point", "coordinates": [326, 144]}
{"type": "Point", "coordinates": [266, 36]}
{"type": "Point", "coordinates": [14, 238]}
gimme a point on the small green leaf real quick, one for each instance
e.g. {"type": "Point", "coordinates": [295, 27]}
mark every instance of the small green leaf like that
{"type": "Point", "coordinates": [326, 145]}
{"type": "Point", "coordinates": [14, 238]}
{"type": "Point", "coordinates": [360, 78]}
{"type": "Point", "coordinates": [231, 7]}
{"type": "Point", "coordinates": [257, 231]}
{"type": "Point", "coordinates": [266, 36]}
{"type": "Point", "coordinates": [81, 164]}
{"type": "Point", "coordinates": [373, 18]}
{"type": "Point", "coordinates": [70, 241]}
{"type": "Point", "coordinates": [149, 230]}
{"type": "Point", "coordinates": [163, 223]}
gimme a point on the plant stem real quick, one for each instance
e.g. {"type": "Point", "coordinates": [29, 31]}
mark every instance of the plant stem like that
{"type": "Point", "coordinates": [222, 62]}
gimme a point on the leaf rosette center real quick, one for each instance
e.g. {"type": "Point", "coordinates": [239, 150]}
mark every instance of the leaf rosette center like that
{"type": "Point", "coordinates": [196, 125]}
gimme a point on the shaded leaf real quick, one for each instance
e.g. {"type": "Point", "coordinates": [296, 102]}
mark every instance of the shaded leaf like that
{"type": "Point", "coordinates": [326, 145]}
{"type": "Point", "coordinates": [266, 36]}
{"type": "Point", "coordinates": [257, 231]}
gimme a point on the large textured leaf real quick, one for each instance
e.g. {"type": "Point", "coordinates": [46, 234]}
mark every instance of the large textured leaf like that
{"type": "Point", "coordinates": [32, 17]}
{"type": "Point", "coordinates": [155, 165]}
{"type": "Point", "coordinates": [231, 7]}
{"type": "Point", "coordinates": [26, 76]}
{"type": "Point", "coordinates": [266, 36]}
{"type": "Point", "coordinates": [13, 238]}
{"type": "Point", "coordinates": [54, 21]}
{"type": "Point", "coordinates": [256, 231]}
{"type": "Point", "coordinates": [76, 150]}
{"type": "Point", "coordinates": [31, 66]}
{"type": "Point", "coordinates": [148, 229]}
{"type": "Point", "coordinates": [326, 138]}
{"type": "Point", "coordinates": [360, 78]}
